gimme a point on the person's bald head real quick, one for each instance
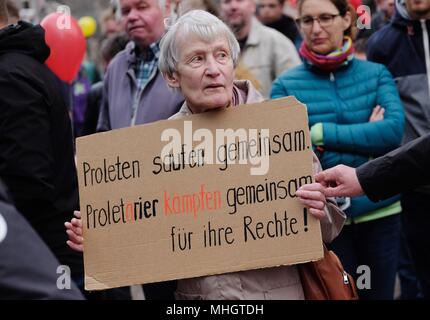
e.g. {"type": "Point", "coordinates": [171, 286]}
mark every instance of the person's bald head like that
{"type": "Point", "coordinates": [3, 14]}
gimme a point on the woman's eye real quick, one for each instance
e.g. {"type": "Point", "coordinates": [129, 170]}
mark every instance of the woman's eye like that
{"type": "Point", "coordinates": [307, 20]}
{"type": "Point", "coordinates": [325, 18]}
{"type": "Point", "coordinates": [197, 59]}
{"type": "Point", "coordinates": [222, 55]}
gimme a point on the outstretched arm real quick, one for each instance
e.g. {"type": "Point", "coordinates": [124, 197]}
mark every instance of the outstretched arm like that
{"type": "Point", "coordinates": [400, 170]}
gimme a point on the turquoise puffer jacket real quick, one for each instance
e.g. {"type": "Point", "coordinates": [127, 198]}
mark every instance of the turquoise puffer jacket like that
{"type": "Point", "coordinates": [341, 103]}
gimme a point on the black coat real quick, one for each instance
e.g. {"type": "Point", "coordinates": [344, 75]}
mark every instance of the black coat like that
{"type": "Point", "coordinates": [36, 146]}
{"type": "Point", "coordinates": [401, 170]}
{"type": "Point", "coordinates": [287, 26]}
{"type": "Point", "coordinates": [28, 268]}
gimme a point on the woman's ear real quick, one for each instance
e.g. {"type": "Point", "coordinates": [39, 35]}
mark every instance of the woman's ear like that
{"type": "Point", "coordinates": [172, 80]}
{"type": "Point", "coordinates": [347, 20]}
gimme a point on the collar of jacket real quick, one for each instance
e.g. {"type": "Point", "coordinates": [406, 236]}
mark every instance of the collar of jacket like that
{"type": "Point", "coordinates": [317, 70]}
{"type": "Point", "coordinates": [133, 52]}
{"type": "Point", "coordinates": [254, 33]}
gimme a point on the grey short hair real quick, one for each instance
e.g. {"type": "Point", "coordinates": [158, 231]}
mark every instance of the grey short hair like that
{"type": "Point", "coordinates": [117, 5]}
{"type": "Point", "coordinates": [198, 22]}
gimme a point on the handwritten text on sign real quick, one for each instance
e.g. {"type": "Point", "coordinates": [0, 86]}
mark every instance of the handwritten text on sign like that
{"type": "Point", "coordinates": [152, 215]}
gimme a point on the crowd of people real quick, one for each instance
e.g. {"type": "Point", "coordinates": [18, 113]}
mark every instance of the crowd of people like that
{"type": "Point", "coordinates": [365, 84]}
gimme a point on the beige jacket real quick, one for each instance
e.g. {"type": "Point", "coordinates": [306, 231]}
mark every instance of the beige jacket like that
{"type": "Point", "coordinates": [267, 54]}
{"type": "Point", "coordinates": [262, 284]}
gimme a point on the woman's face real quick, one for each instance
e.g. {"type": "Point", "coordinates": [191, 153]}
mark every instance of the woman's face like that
{"type": "Point", "coordinates": [325, 35]}
{"type": "Point", "coordinates": [205, 73]}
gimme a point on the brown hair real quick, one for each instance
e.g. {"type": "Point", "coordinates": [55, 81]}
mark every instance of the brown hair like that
{"type": "Point", "coordinates": [3, 12]}
{"type": "Point", "coordinates": [344, 7]}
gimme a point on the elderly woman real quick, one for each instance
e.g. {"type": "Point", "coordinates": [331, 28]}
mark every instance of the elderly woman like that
{"type": "Point", "coordinates": [355, 114]}
{"type": "Point", "coordinates": [197, 56]}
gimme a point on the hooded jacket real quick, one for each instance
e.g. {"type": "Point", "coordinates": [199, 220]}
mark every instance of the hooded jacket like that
{"type": "Point", "coordinates": [403, 47]}
{"type": "Point", "coordinates": [36, 146]}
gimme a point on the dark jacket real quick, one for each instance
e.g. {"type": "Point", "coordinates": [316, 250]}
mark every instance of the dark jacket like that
{"type": "Point", "coordinates": [36, 146]}
{"type": "Point", "coordinates": [94, 101]}
{"type": "Point", "coordinates": [28, 268]}
{"type": "Point", "coordinates": [400, 47]}
{"type": "Point", "coordinates": [400, 170]}
{"type": "Point", "coordinates": [287, 26]}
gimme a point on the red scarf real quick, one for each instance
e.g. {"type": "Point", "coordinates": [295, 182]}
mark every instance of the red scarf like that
{"type": "Point", "coordinates": [331, 61]}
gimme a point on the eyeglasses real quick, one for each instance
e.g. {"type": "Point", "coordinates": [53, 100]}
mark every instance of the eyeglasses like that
{"type": "Point", "coordinates": [324, 20]}
{"type": "Point", "coordinates": [270, 6]}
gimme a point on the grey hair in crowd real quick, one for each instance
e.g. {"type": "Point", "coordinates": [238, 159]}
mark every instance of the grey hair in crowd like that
{"type": "Point", "coordinates": [195, 22]}
{"type": "Point", "coordinates": [117, 5]}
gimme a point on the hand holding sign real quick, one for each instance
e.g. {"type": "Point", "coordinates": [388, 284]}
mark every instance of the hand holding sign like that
{"type": "Point", "coordinates": [74, 232]}
{"type": "Point", "coordinates": [312, 196]}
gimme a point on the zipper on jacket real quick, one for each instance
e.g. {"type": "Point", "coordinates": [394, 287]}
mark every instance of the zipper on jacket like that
{"type": "Point", "coordinates": [337, 106]}
{"type": "Point", "coordinates": [138, 96]}
{"type": "Point", "coordinates": [426, 52]}
{"type": "Point", "coordinates": [345, 278]}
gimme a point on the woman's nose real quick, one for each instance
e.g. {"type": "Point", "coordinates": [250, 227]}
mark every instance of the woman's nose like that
{"type": "Point", "coordinates": [316, 27]}
{"type": "Point", "coordinates": [212, 67]}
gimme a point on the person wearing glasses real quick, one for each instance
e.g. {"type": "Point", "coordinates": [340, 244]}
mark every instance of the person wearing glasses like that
{"type": "Point", "coordinates": [355, 114]}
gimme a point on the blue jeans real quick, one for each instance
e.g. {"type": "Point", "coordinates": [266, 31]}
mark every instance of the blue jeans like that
{"type": "Point", "coordinates": [376, 245]}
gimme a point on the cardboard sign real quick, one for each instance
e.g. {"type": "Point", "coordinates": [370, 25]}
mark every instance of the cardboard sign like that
{"type": "Point", "coordinates": [212, 205]}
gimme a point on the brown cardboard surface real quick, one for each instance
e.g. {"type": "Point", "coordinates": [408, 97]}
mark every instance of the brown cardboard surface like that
{"type": "Point", "coordinates": [118, 177]}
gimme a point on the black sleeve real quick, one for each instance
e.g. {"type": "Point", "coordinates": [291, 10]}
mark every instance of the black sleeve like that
{"type": "Point", "coordinates": [27, 158]}
{"type": "Point", "coordinates": [28, 268]}
{"type": "Point", "coordinates": [398, 171]}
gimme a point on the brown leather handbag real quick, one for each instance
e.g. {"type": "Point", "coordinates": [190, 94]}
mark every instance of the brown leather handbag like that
{"type": "Point", "coordinates": [326, 279]}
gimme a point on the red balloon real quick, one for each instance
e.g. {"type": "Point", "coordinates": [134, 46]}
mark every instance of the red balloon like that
{"type": "Point", "coordinates": [67, 43]}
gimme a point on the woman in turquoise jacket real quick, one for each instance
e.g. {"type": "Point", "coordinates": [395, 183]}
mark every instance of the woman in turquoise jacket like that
{"type": "Point", "coordinates": [355, 114]}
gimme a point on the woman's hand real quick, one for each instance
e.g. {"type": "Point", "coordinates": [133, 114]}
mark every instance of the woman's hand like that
{"type": "Point", "coordinates": [312, 196]}
{"type": "Point", "coordinates": [377, 114]}
{"type": "Point", "coordinates": [74, 232]}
